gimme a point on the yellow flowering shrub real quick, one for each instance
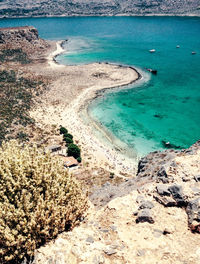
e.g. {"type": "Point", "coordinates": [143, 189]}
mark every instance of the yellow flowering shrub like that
{"type": "Point", "coordinates": [38, 200]}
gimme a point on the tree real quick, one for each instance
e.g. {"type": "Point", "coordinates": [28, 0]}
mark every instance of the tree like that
{"type": "Point", "coordinates": [74, 150]}
{"type": "Point", "coordinates": [67, 135]}
{"type": "Point", "coordinates": [63, 130]}
{"type": "Point", "coordinates": [68, 140]}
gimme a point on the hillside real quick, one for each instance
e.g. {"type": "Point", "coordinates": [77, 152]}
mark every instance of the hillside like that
{"type": "Point", "coordinates": [27, 8]}
{"type": "Point", "coordinates": [19, 48]}
{"type": "Point", "coordinates": [153, 218]}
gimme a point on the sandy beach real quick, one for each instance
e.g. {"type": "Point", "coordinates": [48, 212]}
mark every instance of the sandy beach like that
{"type": "Point", "coordinates": [65, 103]}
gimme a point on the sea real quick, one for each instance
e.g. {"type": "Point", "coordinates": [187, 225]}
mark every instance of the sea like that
{"type": "Point", "coordinates": [158, 111]}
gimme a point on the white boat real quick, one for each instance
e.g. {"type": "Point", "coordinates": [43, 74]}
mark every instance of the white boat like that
{"type": "Point", "coordinates": [177, 46]}
{"type": "Point", "coordinates": [193, 52]}
{"type": "Point", "coordinates": [152, 50]}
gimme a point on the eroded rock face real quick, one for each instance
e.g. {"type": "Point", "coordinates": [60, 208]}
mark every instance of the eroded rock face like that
{"type": "Point", "coordinates": [25, 38]}
{"type": "Point", "coordinates": [175, 177]}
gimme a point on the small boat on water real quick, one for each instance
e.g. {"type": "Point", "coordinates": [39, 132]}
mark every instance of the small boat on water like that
{"type": "Point", "coordinates": [152, 50]}
{"type": "Point", "coordinates": [169, 145]}
{"type": "Point", "coordinates": [178, 46]}
{"type": "Point", "coordinates": [193, 53]}
{"type": "Point", "coordinates": [152, 71]}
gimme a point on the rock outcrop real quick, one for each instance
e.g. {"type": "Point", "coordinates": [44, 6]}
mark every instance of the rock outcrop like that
{"type": "Point", "coordinates": [175, 177]}
{"type": "Point", "coordinates": [19, 8]}
{"type": "Point", "coordinates": [25, 38]}
{"type": "Point", "coordinates": [153, 218]}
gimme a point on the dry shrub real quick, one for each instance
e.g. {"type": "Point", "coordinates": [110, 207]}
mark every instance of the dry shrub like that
{"type": "Point", "coordinates": [38, 200]}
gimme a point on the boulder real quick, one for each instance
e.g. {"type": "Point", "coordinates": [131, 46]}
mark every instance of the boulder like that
{"type": "Point", "coordinates": [193, 211]}
{"type": "Point", "coordinates": [166, 201]}
{"type": "Point", "coordinates": [145, 216]}
{"type": "Point", "coordinates": [177, 193]}
{"type": "Point", "coordinates": [141, 165]}
{"type": "Point", "coordinates": [162, 190]}
{"type": "Point", "coordinates": [162, 175]}
{"type": "Point", "coordinates": [146, 205]}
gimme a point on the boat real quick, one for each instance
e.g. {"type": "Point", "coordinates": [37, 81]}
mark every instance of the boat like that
{"type": "Point", "coordinates": [152, 71]}
{"type": "Point", "coordinates": [193, 52]}
{"type": "Point", "coordinates": [169, 145]}
{"type": "Point", "coordinates": [177, 46]}
{"type": "Point", "coordinates": [152, 50]}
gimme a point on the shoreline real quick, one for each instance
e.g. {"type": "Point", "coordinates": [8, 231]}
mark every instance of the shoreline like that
{"type": "Point", "coordinates": [104, 15]}
{"type": "Point", "coordinates": [52, 56]}
{"type": "Point", "coordinates": [96, 152]}
{"type": "Point", "coordinates": [110, 139]}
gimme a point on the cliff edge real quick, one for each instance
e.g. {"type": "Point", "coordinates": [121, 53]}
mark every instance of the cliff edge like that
{"type": "Point", "coordinates": [24, 38]}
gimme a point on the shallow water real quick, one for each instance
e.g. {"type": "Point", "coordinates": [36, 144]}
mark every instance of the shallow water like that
{"type": "Point", "coordinates": [164, 108]}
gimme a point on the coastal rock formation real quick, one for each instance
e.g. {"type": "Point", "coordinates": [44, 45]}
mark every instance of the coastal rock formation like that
{"type": "Point", "coordinates": [25, 38]}
{"type": "Point", "coordinates": [143, 220]}
{"type": "Point", "coordinates": [175, 177]}
{"type": "Point", "coordinates": [19, 8]}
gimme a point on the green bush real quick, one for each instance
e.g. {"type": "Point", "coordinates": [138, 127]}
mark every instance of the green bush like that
{"type": "Point", "coordinates": [63, 130]}
{"type": "Point", "coordinates": [79, 159]}
{"type": "Point", "coordinates": [22, 136]}
{"type": "Point", "coordinates": [38, 200]}
{"type": "Point", "coordinates": [68, 140]}
{"type": "Point", "coordinates": [74, 150]}
{"type": "Point", "coordinates": [67, 135]}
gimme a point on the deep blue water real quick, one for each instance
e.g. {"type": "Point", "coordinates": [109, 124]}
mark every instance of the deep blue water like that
{"type": "Point", "coordinates": [164, 108]}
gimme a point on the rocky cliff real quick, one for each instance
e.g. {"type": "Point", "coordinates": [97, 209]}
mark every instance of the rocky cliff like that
{"type": "Point", "coordinates": [25, 38]}
{"type": "Point", "coordinates": [27, 8]}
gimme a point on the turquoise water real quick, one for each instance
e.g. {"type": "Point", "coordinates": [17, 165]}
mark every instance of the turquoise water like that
{"type": "Point", "coordinates": [165, 107]}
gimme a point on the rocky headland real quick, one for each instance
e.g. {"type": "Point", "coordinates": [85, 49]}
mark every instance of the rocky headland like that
{"type": "Point", "coordinates": [24, 38]}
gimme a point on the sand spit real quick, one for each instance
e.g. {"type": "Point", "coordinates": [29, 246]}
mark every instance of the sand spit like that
{"type": "Point", "coordinates": [65, 103]}
{"type": "Point", "coordinates": [51, 58]}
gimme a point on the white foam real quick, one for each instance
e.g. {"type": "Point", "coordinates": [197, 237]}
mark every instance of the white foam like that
{"type": "Point", "coordinates": [77, 45]}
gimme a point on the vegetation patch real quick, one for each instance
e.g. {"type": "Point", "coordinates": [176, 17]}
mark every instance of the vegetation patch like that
{"type": "Point", "coordinates": [38, 200]}
{"type": "Point", "coordinates": [14, 55]}
{"type": "Point", "coordinates": [16, 98]}
{"type": "Point", "coordinates": [72, 149]}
